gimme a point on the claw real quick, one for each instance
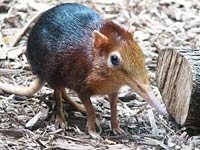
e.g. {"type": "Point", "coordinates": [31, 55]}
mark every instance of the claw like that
{"type": "Point", "coordinates": [60, 123]}
{"type": "Point", "coordinates": [118, 131]}
{"type": "Point", "coordinates": [95, 136]}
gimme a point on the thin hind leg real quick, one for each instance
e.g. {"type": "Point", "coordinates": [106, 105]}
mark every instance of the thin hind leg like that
{"type": "Point", "coordinates": [73, 103]}
{"type": "Point", "coordinates": [60, 119]}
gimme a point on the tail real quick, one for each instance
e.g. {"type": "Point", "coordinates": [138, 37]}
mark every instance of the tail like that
{"type": "Point", "coordinates": [23, 91]}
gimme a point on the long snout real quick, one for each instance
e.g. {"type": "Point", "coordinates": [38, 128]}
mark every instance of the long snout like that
{"type": "Point", "coordinates": [145, 91]}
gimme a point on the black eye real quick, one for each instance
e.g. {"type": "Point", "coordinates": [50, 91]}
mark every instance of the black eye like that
{"type": "Point", "coordinates": [114, 60]}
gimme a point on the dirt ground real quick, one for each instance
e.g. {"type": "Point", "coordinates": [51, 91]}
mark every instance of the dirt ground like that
{"type": "Point", "coordinates": [28, 122]}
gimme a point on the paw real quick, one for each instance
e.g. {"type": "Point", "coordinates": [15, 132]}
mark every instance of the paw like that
{"type": "Point", "coordinates": [60, 122]}
{"type": "Point", "coordinates": [118, 131]}
{"type": "Point", "coordinates": [95, 136]}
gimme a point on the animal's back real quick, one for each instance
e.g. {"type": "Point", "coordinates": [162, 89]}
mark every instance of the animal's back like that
{"type": "Point", "coordinates": [60, 44]}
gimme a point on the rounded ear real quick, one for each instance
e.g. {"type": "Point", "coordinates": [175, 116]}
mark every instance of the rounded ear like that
{"type": "Point", "coordinates": [100, 41]}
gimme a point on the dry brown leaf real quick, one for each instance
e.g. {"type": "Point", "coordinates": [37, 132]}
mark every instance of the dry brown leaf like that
{"type": "Point", "coordinates": [107, 141]}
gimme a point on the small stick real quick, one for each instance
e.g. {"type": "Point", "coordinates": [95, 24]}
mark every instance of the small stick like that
{"type": "Point", "coordinates": [153, 122]}
{"type": "Point", "coordinates": [40, 143]}
{"type": "Point", "coordinates": [8, 71]}
{"type": "Point", "coordinates": [71, 138]}
{"type": "Point", "coordinates": [74, 139]}
{"type": "Point", "coordinates": [24, 29]}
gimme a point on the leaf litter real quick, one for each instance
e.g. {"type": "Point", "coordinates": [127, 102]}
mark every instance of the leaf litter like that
{"type": "Point", "coordinates": [156, 25]}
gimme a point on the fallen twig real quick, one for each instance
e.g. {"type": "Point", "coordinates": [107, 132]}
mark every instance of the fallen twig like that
{"type": "Point", "coordinates": [153, 122]}
{"type": "Point", "coordinates": [8, 71]}
{"type": "Point", "coordinates": [150, 141]}
{"type": "Point", "coordinates": [71, 138]}
{"type": "Point", "coordinates": [24, 29]}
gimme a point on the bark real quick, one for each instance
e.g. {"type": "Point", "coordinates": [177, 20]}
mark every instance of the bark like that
{"type": "Point", "coordinates": [178, 78]}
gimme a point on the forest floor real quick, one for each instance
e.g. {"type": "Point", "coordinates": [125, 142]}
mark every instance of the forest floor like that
{"type": "Point", "coordinates": [28, 122]}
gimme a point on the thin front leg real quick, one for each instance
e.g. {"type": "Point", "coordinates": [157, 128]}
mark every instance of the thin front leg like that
{"type": "Point", "coordinates": [114, 121]}
{"type": "Point", "coordinates": [90, 118]}
{"type": "Point", "coordinates": [60, 119]}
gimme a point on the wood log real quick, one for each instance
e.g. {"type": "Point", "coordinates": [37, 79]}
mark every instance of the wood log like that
{"type": "Point", "coordinates": [178, 78]}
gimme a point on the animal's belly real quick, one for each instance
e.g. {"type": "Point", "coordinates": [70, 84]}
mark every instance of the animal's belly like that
{"type": "Point", "coordinates": [104, 88]}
